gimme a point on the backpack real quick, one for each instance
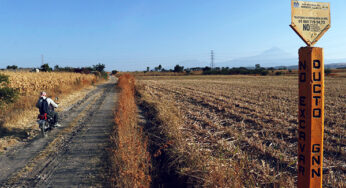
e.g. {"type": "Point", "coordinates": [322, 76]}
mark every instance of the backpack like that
{"type": "Point", "coordinates": [44, 107]}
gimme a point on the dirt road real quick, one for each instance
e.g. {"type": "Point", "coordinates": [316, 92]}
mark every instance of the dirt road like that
{"type": "Point", "coordinates": [72, 155]}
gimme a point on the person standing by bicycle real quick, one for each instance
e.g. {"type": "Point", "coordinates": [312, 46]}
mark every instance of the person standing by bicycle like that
{"type": "Point", "coordinates": [47, 105]}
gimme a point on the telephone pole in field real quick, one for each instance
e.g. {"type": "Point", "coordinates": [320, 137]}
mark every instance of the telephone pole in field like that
{"type": "Point", "coordinates": [212, 59]}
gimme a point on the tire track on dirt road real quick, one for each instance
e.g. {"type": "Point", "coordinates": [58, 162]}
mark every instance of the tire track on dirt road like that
{"type": "Point", "coordinates": [73, 155]}
{"type": "Point", "coordinates": [18, 157]}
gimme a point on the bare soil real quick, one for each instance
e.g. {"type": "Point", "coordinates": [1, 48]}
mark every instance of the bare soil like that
{"type": "Point", "coordinates": [72, 155]}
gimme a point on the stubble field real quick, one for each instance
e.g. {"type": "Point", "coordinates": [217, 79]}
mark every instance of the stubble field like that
{"type": "Point", "coordinates": [246, 126]}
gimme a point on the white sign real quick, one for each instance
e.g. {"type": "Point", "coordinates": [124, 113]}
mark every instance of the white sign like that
{"type": "Point", "coordinates": [310, 20]}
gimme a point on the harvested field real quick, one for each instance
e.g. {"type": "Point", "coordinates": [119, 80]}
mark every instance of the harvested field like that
{"type": "Point", "coordinates": [246, 126]}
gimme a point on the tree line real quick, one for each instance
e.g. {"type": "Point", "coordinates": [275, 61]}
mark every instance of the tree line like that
{"type": "Point", "coordinates": [257, 70]}
{"type": "Point", "coordinates": [97, 69]}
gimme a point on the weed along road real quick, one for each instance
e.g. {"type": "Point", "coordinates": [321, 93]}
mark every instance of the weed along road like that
{"type": "Point", "coordinates": [72, 155]}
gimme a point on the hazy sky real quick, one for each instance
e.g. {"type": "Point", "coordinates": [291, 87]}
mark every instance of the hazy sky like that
{"type": "Point", "coordinates": [134, 34]}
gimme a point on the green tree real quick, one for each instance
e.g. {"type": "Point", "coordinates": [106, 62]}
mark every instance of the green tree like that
{"type": "Point", "coordinates": [114, 72]}
{"type": "Point", "coordinates": [158, 68]}
{"type": "Point", "coordinates": [14, 67]}
{"type": "Point", "coordinates": [45, 68]}
{"type": "Point", "coordinates": [99, 67]}
{"type": "Point", "coordinates": [178, 68]}
{"type": "Point", "coordinates": [56, 68]}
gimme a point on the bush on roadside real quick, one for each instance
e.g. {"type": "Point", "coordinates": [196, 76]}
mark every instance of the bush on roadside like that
{"type": "Point", "coordinates": [7, 94]}
{"type": "Point", "coordinates": [104, 75]}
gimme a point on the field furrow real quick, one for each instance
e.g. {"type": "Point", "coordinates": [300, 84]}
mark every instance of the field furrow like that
{"type": "Point", "coordinates": [258, 116]}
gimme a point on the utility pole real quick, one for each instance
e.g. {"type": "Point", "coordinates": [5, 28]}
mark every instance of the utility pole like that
{"type": "Point", "coordinates": [42, 59]}
{"type": "Point", "coordinates": [212, 59]}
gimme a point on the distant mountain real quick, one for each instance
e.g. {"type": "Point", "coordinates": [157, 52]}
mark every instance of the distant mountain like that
{"type": "Point", "coordinates": [335, 65]}
{"type": "Point", "coordinates": [269, 58]}
{"type": "Point", "coordinates": [274, 57]}
{"type": "Point", "coordinates": [277, 58]}
{"type": "Point", "coordinates": [326, 66]}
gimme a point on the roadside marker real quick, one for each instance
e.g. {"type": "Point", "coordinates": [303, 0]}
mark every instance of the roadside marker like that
{"type": "Point", "coordinates": [310, 20]}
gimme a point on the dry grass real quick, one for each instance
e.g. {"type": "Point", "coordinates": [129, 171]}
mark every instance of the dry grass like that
{"type": "Point", "coordinates": [241, 130]}
{"type": "Point", "coordinates": [130, 158]}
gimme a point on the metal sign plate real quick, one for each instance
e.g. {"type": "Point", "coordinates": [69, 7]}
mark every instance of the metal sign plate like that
{"type": "Point", "coordinates": [310, 20]}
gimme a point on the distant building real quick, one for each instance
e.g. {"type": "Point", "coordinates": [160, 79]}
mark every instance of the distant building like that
{"type": "Point", "coordinates": [35, 70]}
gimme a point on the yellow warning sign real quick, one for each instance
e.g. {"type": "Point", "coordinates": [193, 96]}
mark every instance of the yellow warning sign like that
{"type": "Point", "coordinates": [310, 20]}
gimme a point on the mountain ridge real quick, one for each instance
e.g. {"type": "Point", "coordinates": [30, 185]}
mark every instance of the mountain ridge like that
{"type": "Point", "coordinates": [273, 57]}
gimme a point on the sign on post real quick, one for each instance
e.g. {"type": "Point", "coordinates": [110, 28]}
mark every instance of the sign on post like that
{"type": "Point", "coordinates": [310, 20]}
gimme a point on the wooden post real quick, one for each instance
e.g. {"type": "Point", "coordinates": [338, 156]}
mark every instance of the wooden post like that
{"type": "Point", "coordinates": [311, 117]}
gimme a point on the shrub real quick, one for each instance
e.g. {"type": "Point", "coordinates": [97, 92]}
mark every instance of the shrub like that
{"type": "Point", "coordinates": [114, 72]}
{"type": "Point", "coordinates": [7, 94]}
{"type": "Point", "coordinates": [14, 67]}
{"type": "Point", "coordinates": [99, 67]}
{"type": "Point", "coordinates": [178, 68]}
{"type": "Point", "coordinates": [3, 80]}
{"type": "Point", "coordinates": [104, 75]}
{"type": "Point", "coordinates": [278, 73]}
{"type": "Point", "coordinates": [46, 68]}
{"type": "Point", "coordinates": [327, 71]}
{"type": "Point", "coordinates": [264, 73]}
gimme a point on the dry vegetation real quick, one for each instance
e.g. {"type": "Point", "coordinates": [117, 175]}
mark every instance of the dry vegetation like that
{"type": "Point", "coordinates": [29, 84]}
{"type": "Point", "coordinates": [129, 155]}
{"type": "Point", "coordinates": [239, 130]}
{"type": "Point", "coordinates": [13, 117]}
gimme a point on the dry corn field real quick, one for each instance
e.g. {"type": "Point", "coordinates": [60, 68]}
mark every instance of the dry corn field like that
{"type": "Point", "coordinates": [31, 83]}
{"type": "Point", "coordinates": [15, 117]}
{"type": "Point", "coordinates": [249, 124]}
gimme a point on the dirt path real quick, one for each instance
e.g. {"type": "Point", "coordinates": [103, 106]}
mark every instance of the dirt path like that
{"type": "Point", "coordinates": [72, 155]}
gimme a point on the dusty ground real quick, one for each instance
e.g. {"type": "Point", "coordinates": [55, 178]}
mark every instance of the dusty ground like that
{"type": "Point", "coordinates": [72, 155]}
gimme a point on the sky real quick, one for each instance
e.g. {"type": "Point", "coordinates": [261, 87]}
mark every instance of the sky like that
{"type": "Point", "coordinates": [134, 34]}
